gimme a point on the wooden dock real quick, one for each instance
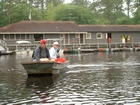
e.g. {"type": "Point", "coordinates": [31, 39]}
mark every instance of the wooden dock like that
{"type": "Point", "coordinates": [101, 50]}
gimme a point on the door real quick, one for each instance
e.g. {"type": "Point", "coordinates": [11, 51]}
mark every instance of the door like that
{"type": "Point", "coordinates": [109, 37]}
{"type": "Point", "coordinates": [38, 37]}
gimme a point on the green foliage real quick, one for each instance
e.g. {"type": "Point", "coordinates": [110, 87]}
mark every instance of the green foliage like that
{"type": "Point", "coordinates": [84, 3]}
{"type": "Point", "coordinates": [50, 12]}
{"type": "Point", "coordinates": [123, 20]}
{"type": "Point", "coordinates": [79, 14]}
{"type": "Point", "coordinates": [79, 11]}
{"type": "Point", "coordinates": [18, 13]}
{"type": "Point", "coordinates": [137, 17]}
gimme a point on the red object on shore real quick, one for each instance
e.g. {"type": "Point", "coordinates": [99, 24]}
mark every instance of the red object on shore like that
{"type": "Point", "coordinates": [60, 60]}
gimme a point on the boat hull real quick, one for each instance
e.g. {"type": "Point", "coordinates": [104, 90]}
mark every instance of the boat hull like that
{"type": "Point", "coordinates": [44, 67]}
{"type": "Point", "coordinates": [6, 53]}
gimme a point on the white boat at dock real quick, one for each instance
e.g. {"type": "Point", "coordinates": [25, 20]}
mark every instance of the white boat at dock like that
{"type": "Point", "coordinates": [22, 46]}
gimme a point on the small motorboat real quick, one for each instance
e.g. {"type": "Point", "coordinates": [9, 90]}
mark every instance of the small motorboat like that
{"type": "Point", "coordinates": [44, 67]}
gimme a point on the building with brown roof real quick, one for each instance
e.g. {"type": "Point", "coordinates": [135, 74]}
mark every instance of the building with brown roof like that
{"type": "Point", "coordinates": [69, 34]}
{"type": "Point", "coordinates": [115, 35]}
{"type": "Point", "coordinates": [65, 31]}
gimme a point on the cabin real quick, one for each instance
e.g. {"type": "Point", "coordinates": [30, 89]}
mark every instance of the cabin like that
{"type": "Point", "coordinates": [71, 35]}
{"type": "Point", "coordinates": [113, 35]}
{"type": "Point", "coordinates": [66, 32]}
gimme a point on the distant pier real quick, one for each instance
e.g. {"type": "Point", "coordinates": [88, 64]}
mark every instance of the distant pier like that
{"type": "Point", "coordinates": [101, 50]}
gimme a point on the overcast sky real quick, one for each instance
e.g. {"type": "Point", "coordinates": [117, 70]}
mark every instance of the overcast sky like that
{"type": "Point", "coordinates": [67, 1]}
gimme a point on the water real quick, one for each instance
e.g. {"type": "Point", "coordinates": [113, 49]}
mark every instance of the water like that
{"type": "Point", "coordinates": [91, 79]}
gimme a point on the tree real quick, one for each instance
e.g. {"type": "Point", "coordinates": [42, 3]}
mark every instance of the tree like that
{"type": "Point", "coordinates": [80, 11]}
{"type": "Point", "coordinates": [137, 16]}
{"type": "Point", "coordinates": [129, 7]}
{"type": "Point", "coordinates": [108, 10]}
{"type": "Point", "coordinates": [79, 14]}
{"type": "Point", "coordinates": [84, 3]}
{"type": "Point", "coordinates": [50, 12]}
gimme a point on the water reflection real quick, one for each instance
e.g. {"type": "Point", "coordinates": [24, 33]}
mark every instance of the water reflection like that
{"type": "Point", "coordinates": [41, 81]}
{"type": "Point", "coordinates": [91, 79]}
{"type": "Point", "coordinates": [40, 84]}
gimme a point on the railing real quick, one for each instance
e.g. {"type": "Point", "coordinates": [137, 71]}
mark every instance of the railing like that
{"type": "Point", "coordinates": [116, 43]}
{"type": "Point", "coordinates": [102, 45]}
{"type": "Point", "coordinates": [4, 45]}
{"type": "Point", "coordinates": [91, 45]}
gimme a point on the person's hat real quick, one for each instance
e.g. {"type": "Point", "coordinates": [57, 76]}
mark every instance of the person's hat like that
{"type": "Point", "coordinates": [55, 43]}
{"type": "Point", "coordinates": [43, 41]}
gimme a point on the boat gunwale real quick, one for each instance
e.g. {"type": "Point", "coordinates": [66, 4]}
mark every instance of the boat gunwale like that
{"type": "Point", "coordinates": [43, 62]}
{"type": "Point", "coordinates": [53, 67]}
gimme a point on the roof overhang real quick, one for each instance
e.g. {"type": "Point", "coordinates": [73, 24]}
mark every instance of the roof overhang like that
{"type": "Point", "coordinates": [41, 32]}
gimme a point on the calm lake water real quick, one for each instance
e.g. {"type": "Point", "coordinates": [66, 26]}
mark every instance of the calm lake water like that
{"type": "Point", "coordinates": [99, 78]}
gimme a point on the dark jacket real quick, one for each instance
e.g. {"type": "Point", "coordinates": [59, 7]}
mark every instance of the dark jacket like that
{"type": "Point", "coordinates": [41, 53]}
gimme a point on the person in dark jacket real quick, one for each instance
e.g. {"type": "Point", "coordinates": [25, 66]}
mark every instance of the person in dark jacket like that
{"type": "Point", "coordinates": [41, 53]}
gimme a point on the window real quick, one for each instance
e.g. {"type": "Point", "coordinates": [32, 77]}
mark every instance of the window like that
{"type": "Point", "coordinates": [12, 36]}
{"type": "Point", "coordinates": [61, 35]}
{"type": "Point", "coordinates": [17, 36]}
{"type": "Point", "coordinates": [88, 36]}
{"type": "Point", "coordinates": [99, 35]}
{"type": "Point", "coordinates": [22, 36]}
{"type": "Point", "coordinates": [38, 37]}
{"type": "Point", "coordinates": [27, 36]}
{"type": "Point", "coordinates": [1, 36]}
{"type": "Point", "coordinates": [6, 36]}
{"type": "Point", "coordinates": [77, 36]}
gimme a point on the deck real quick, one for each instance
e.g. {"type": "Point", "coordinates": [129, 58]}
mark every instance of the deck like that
{"type": "Point", "coordinates": [103, 50]}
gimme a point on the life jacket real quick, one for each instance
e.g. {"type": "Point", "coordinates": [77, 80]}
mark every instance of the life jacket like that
{"type": "Point", "coordinates": [60, 60]}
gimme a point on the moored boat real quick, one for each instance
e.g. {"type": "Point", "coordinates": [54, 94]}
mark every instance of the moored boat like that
{"type": "Point", "coordinates": [22, 45]}
{"type": "Point", "coordinates": [5, 52]}
{"type": "Point", "coordinates": [46, 67]}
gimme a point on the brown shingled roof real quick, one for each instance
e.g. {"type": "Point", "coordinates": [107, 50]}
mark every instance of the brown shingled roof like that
{"type": "Point", "coordinates": [65, 26]}
{"type": "Point", "coordinates": [42, 26]}
{"type": "Point", "coordinates": [110, 28]}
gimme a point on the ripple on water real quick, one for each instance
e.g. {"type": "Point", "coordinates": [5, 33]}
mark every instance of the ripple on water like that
{"type": "Point", "coordinates": [91, 79]}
